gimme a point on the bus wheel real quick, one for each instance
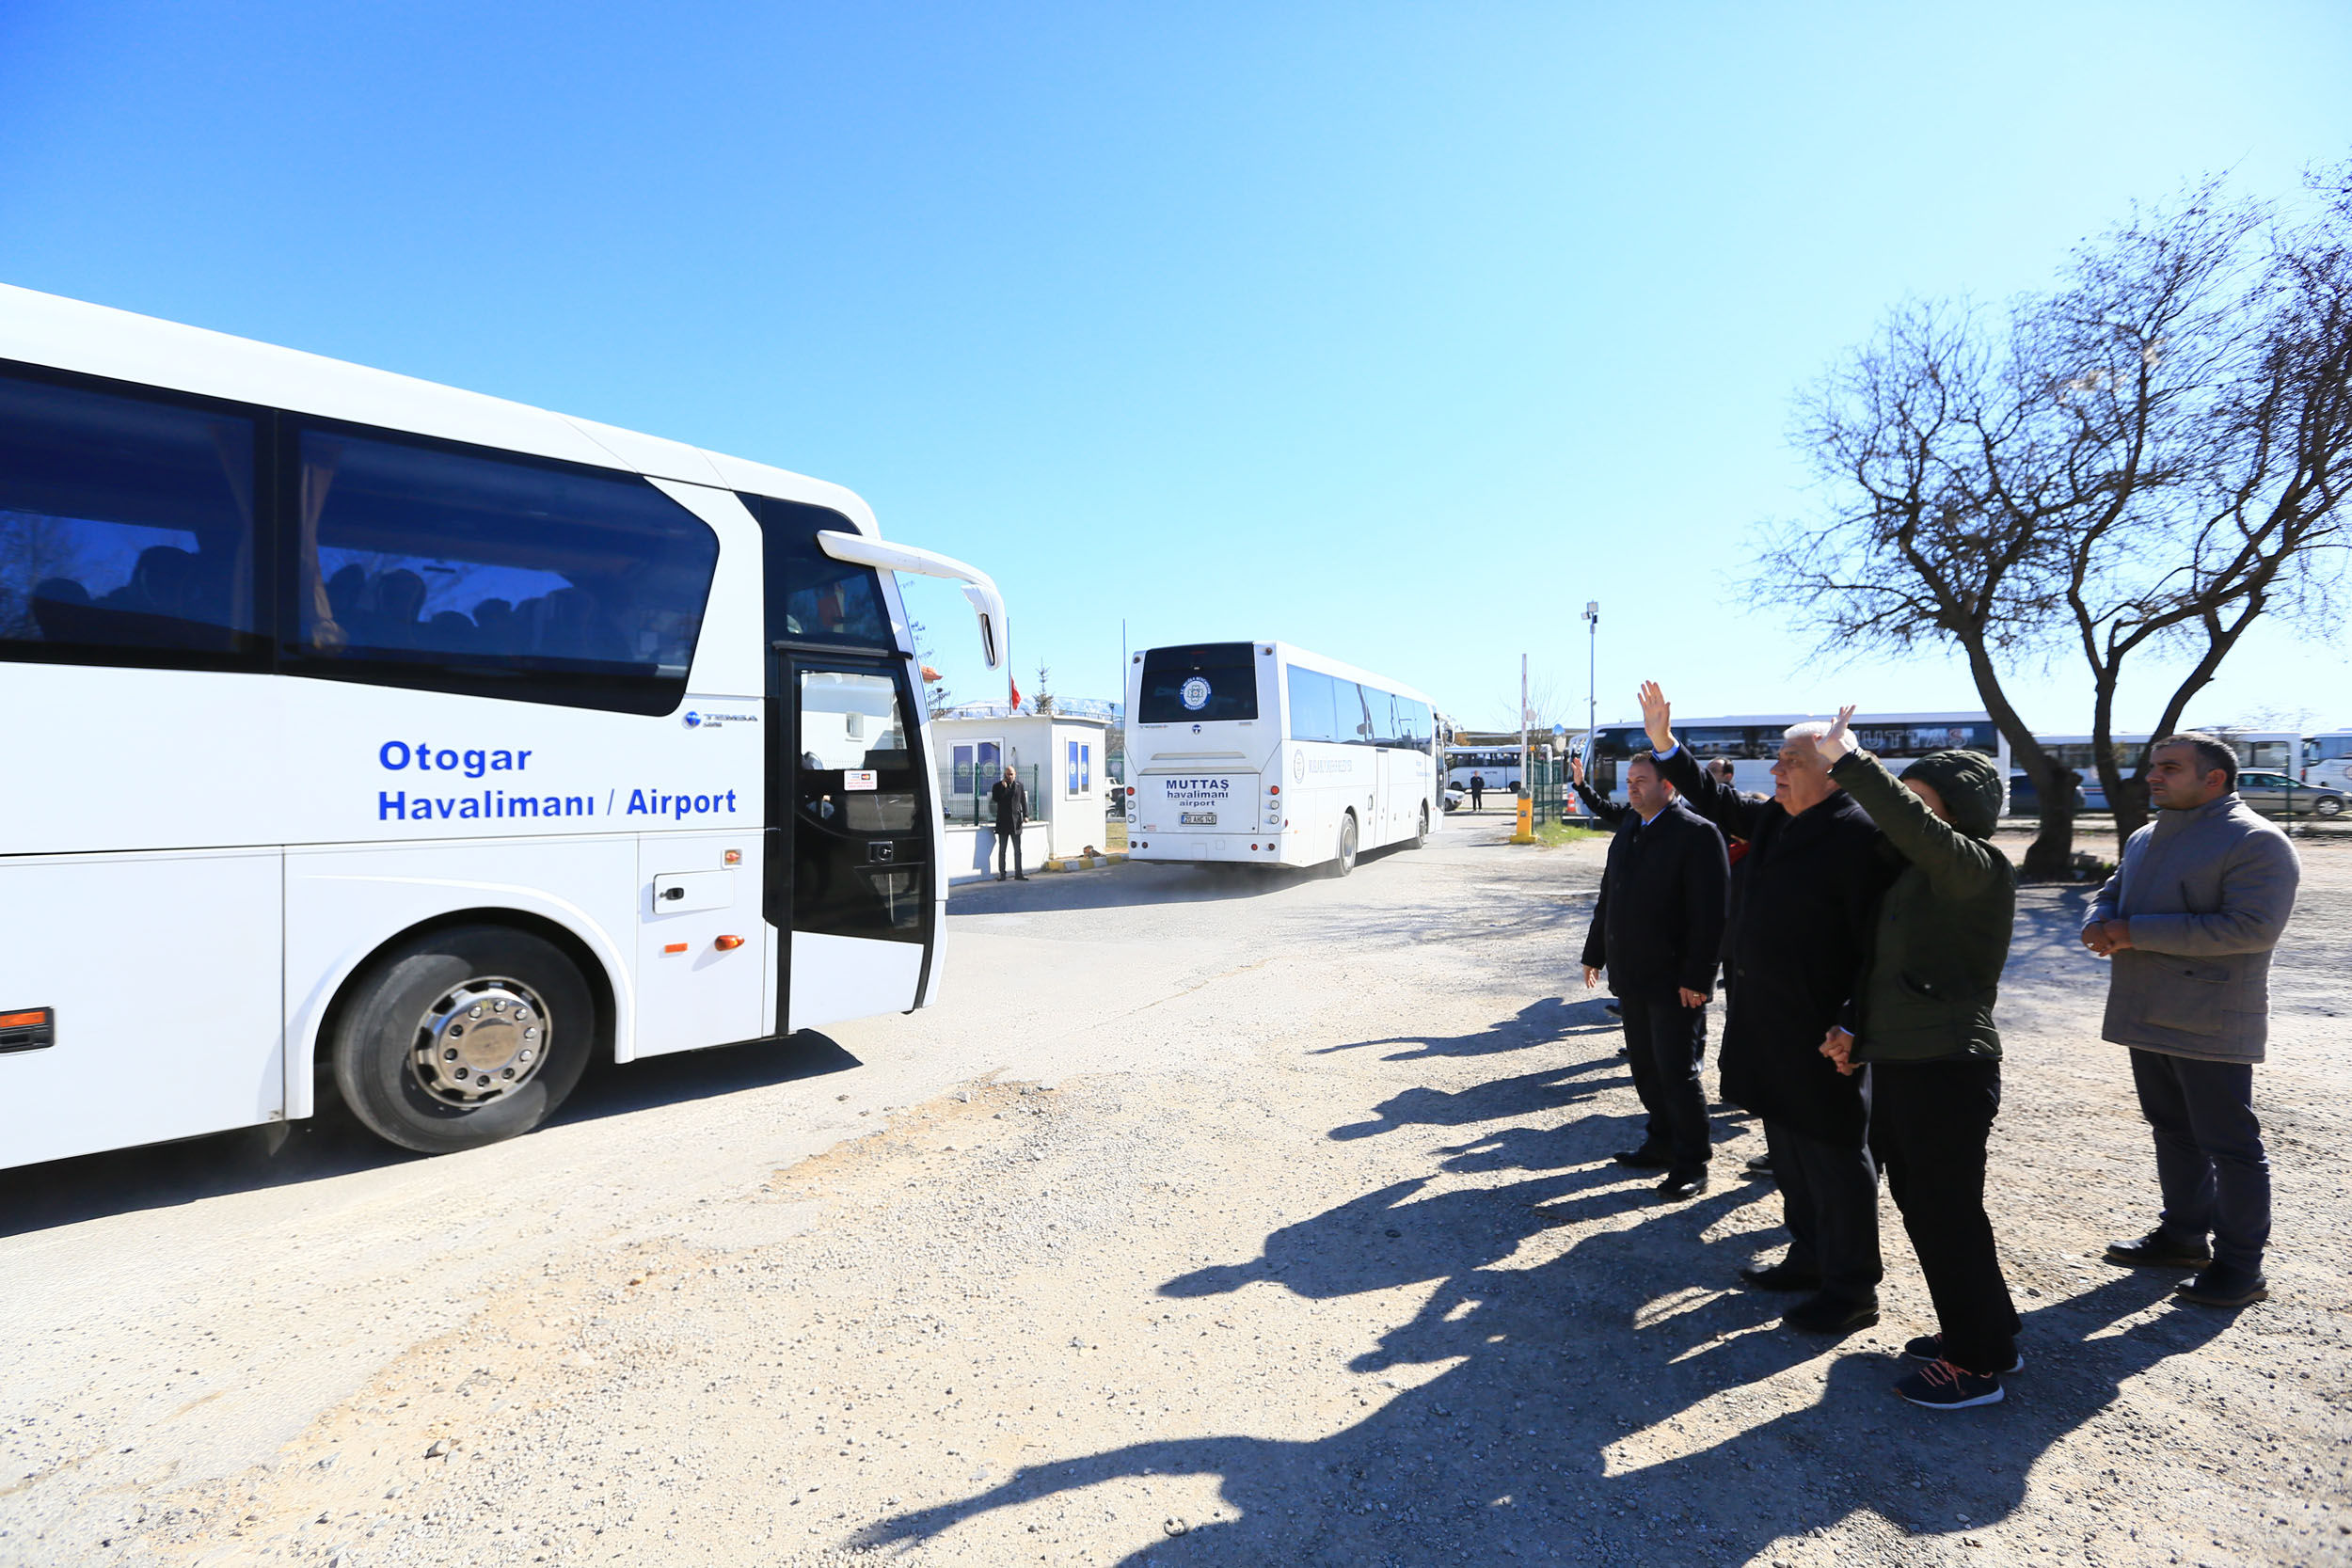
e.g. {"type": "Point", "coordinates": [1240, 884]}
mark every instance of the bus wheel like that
{"type": "Point", "coordinates": [1346, 860]}
{"type": "Point", "coordinates": [463, 1037]}
{"type": "Point", "coordinates": [1420, 835]}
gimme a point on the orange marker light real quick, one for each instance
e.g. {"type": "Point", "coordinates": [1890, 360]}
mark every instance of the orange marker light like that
{"type": "Point", "coordinates": [734, 857]}
{"type": "Point", "coordinates": [674, 947]}
{"type": "Point", "coordinates": [25, 1020]}
{"type": "Point", "coordinates": [728, 944]}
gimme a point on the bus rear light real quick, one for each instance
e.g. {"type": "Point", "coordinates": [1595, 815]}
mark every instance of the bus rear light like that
{"type": "Point", "coordinates": [734, 856]}
{"type": "Point", "coordinates": [1273, 789]}
{"type": "Point", "coordinates": [728, 944]}
{"type": "Point", "coordinates": [674, 947]}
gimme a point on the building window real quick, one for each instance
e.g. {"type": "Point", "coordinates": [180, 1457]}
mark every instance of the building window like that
{"type": "Point", "coordinates": [1078, 767]}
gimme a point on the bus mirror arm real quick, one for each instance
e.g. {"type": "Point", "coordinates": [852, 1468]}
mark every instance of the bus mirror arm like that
{"type": "Point", "coordinates": [979, 586]}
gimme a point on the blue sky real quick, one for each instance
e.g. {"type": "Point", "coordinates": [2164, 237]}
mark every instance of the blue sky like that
{"type": "Point", "coordinates": [1399, 332]}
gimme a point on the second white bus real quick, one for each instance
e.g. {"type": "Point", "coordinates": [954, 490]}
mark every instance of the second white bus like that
{"type": "Point", "coordinates": [1266, 754]}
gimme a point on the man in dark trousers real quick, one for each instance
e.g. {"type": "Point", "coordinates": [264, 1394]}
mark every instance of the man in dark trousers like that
{"type": "Point", "coordinates": [1922, 1023]}
{"type": "Point", "coordinates": [1657, 928]}
{"type": "Point", "coordinates": [1800, 922]}
{"type": "Point", "coordinates": [1478, 791]}
{"type": "Point", "coordinates": [2189, 919]}
{"type": "Point", "coordinates": [1011, 803]}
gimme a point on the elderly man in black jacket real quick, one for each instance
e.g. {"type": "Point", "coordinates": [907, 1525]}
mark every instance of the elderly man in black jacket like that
{"type": "Point", "coordinates": [1801, 924]}
{"type": "Point", "coordinates": [1657, 928]}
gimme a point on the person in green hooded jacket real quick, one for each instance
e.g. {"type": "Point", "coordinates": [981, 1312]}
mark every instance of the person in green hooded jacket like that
{"type": "Point", "coordinates": [1922, 1023]}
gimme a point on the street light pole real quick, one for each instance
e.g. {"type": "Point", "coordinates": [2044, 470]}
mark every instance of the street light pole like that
{"type": "Point", "coordinates": [1592, 668]}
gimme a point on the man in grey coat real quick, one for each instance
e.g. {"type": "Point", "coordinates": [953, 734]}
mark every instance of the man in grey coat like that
{"type": "Point", "coordinates": [2189, 919]}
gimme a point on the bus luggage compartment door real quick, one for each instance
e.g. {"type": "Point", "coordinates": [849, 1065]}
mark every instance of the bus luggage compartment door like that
{"type": "Point", "coordinates": [161, 974]}
{"type": "Point", "coordinates": [701, 943]}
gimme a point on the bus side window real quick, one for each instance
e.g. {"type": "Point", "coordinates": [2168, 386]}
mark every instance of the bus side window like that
{"type": "Point", "coordinates": [126, 531]}
{"type": "Point", "coordinates": [415, 565]}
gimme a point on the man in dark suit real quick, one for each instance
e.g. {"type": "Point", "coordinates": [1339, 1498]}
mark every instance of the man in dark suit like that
{"type": "Point", "coordinates": [1658, 928]}
{"type": "Point", "coordinates": [1801, 921]}
{"type": "Point", "coordinates": [1011, 798]}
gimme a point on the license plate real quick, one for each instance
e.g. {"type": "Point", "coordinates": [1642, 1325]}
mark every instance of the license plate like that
{"type": "Point", "coordinates": [1198, 818]}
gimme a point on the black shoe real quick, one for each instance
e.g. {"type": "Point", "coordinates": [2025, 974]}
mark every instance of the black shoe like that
{"type": "Point", "coordinates": [1681, 1184]}
{"type": "Point", "coordinates": [2223, 1285]}
{"type": "Point", "coordinates": [2157, 1250]}
{"type": "Point", "coordinates": [1644, 1157]}
{"type": "Point", "coordinates": [1780, 1277]}
{"type": "Point", "coordinates": [1761, 1165]}
{"type": "Point", "coordinates": [1020, 876]}
{"type": "Point", "coordinates": [1930, 1347]}
{"type": "Point", "coordinates": [1823, 1313]}
{"type": "Point", "coordinates": [1616, 1011]}
{"type": "Point", "coordinates": [1940, 1386]}
{"type": "Point", "coordinates": [1000, 876]}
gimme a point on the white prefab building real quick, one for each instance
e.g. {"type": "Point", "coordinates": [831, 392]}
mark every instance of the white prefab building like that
{"type": "Point", "coordinates": [1058, 756]}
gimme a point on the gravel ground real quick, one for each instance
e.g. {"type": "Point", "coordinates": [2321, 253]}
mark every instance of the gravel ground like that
{"type": "Point", "coordinates": [1216, 1218]}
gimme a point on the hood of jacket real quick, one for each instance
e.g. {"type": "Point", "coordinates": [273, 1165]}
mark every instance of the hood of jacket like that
{"type": "Point", "coordinates": [1969, 785]}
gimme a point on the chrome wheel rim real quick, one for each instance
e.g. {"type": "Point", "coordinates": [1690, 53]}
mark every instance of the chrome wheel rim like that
{"type": "Point", "coordinates": [481, 1041]}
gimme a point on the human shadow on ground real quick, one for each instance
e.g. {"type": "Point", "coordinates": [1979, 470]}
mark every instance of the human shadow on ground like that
{"type": "Point", "coordinates": [1620, 1402]}
{"type": "Point", "coordinates": [1541, 1022]}
{"type": "Point", "coordinates": [334, 1143]}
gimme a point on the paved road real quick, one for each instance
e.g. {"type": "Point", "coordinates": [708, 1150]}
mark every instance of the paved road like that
{"type": "Point", "coordinates": [1217, 1216]}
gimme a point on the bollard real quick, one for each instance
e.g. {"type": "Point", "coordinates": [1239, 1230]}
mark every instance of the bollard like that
{"type": "Point", "coordinates": [1525, 832]}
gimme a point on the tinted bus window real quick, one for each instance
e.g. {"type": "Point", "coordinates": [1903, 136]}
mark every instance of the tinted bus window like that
{"type": "Point", "coordinates": [1314, 705]}
{"type": "Point", "coordinates": [1197, 684]}
{"type": "Point", "coordinates": [126, 531]}
{"type": "Point", "coordinates": [1913, 740]}
{"type": "Point", "coordinates": [417, 566]}
{"type": "Point", "coordinates": [811, 596]}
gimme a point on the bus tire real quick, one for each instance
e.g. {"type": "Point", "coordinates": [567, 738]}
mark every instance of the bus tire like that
{"type": "Point", "coordinates": [1420, 835]}
{"type": "Point", "coordinates": [407, 1034]}
{"type": "Point", "coordinates": [1345, 862]}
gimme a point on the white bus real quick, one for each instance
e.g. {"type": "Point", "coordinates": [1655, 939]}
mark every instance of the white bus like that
{"type": "Point", "coordinates": [2327, 759]}
{"type": "Point", "coordinates": [1266, 754]}
{"type": "Point", "coordinates": [1497, 767]}
{"type": "Point", "coordinates": [1751, 742]}
{"type": "Point", "coordinates": [370, 732]}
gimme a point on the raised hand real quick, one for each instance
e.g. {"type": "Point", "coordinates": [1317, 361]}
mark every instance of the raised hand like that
{"type": "Point", "coordinates": [1657, 716]}
{"type": "Point", "coordinates": [1838, 742]}
{"type": "Point", "coordinates": [1576, 765]}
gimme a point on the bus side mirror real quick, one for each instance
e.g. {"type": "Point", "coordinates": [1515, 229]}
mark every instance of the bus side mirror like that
{"type": "Point", "coordinates": [979, 586]}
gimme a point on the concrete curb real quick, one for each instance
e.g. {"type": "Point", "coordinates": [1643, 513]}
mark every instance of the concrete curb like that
{"type": "Point", "coordinates": [1084, 863]}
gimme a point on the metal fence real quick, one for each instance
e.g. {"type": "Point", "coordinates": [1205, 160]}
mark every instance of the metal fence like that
{"type": "Point", "coordinates": [968, 807]}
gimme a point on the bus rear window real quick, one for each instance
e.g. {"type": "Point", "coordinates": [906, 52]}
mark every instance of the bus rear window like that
{"type": "Point", "coordinates": [1214, 681]}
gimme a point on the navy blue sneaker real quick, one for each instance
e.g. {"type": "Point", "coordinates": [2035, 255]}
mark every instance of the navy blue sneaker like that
{"type": "Point", "coordinates": [1940, 1386]}
{"type": "Point", "coordinates": [1930, 1347]}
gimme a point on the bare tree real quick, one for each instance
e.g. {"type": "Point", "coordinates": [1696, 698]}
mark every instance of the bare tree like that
{"type": "Point", "coordinates": [937, 699]}
{"type": "Point", "coordinates": [2149, 458]}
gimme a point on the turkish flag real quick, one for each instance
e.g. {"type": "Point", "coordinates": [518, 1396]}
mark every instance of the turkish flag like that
{"type": "Point", "coordinates": [1016, 691]}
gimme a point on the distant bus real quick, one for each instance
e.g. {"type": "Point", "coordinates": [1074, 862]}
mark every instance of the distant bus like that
{"type": "Point", "coordinates": [2327, 759]}
{"type": "Point", "coordinates": [1499, 768]}
{"type": "Point", "coordinates": [1752, 742]}
{"type": "Point", "coordinates": [2273, 751]}
{"type": "Point", "coordinates": [1266, 754]}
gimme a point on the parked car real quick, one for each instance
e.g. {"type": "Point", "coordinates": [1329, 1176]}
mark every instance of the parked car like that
{"type": "Point", "coordinates": [2024, 800]}
{"type": "Point", "coordinates": [2276, 795]}
{"type": "Point", "coordinates": [1455, 797]}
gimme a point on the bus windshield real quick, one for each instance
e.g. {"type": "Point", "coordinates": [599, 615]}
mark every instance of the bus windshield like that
{"type": "Point", "coordinates": [1190, 686]}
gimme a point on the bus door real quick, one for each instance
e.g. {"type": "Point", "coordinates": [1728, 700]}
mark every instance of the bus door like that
{"type": "Point", "coordinates": [849, 841]}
